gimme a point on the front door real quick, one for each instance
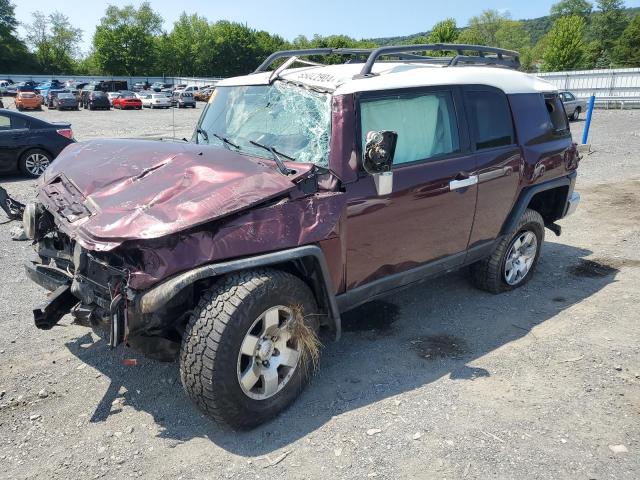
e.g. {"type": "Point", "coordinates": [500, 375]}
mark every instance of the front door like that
{"type": "Point", "coordinates": [429, 214]}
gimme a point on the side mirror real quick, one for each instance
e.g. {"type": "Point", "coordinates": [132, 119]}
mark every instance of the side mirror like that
{"type": "Point", "coordinates": [379, 150]}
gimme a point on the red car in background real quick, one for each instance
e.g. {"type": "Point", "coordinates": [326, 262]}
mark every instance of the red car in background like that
{"type": "Point", "coordinates": [127, 100]}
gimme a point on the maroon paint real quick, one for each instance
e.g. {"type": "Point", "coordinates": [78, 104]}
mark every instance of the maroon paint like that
{"type": "Point", "coordinates": [422, 220]}
{"type": "Point", "coordinates": [140, 189]}
{"type": "Point", "coordinates": [276, 227]}
{"type": "Point", "coordinates": [343, 160]}
{"type": "Point", "coordinates": [170, 207]}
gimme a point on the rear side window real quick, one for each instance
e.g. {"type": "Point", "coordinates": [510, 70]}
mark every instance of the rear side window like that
{"type": "Point", "coordinates": [5, 123]}
{"type": "Point", "coordinates": [426, 124]}
{"type": "Point", "coordinates": [19, 122]}
{"type": "Point", "coordinates": [557, 114]}
{"type": "Point", "coordinates": [490, 119]}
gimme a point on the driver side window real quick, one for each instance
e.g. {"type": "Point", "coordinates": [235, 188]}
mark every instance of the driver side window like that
{"type": "Point", "coordinates": [426, 124]}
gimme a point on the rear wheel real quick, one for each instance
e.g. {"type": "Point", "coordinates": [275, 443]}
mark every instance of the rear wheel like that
{"type": "Point", "coordinates": [514, 259]}
{"type": "Point", "coordinates": [34, 162]}
{"type": "Point", "coordinates": [247, 349]}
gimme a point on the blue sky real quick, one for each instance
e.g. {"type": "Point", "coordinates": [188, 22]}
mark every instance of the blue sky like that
{"type": "Point", "coordinates": [289, 18]}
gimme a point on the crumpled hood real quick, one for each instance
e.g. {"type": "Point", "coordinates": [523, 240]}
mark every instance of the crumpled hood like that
{"type": "Point", "coordinates": [104, 192]}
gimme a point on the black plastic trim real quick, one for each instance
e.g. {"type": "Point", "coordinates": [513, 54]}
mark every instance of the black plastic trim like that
{"type": "Point", "coordinates": [528, 193]}
{"type": "Point", "coordinates": [397, 281]}
{"type": "Point", "coordinates": [47, 277]}
{"type": "Point", "coordinates": [156, 298]}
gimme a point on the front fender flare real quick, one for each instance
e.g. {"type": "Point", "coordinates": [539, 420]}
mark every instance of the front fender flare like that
{"type": "Point", "coordinates": [157, 297]}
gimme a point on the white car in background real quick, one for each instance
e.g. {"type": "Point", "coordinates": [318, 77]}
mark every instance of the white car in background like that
{"type": "Point", "coordinates": [190, 88]}
{"type": "Point", "coordinates": [112, 96]}
{"type": "Point", "coordinates": [155, 100]}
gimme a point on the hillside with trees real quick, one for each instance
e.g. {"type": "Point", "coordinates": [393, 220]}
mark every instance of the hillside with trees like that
{"type": "Point", "coordinates": [577, 34]}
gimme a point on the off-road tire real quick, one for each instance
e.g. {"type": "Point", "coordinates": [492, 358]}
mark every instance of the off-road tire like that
{"type": "Point", "coordinates": [213, 337]}
{"type": "Point", "coordinates": [488, 274]}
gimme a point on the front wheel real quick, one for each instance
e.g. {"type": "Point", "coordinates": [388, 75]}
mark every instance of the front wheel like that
{"type": "Point", "coordinates": [514, 259]}
{"type": "Point", "coordinates": [250, 346]}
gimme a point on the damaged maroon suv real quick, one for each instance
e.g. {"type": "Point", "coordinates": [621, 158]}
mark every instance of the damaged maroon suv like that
{"type": "Point", "coordinates": [306, 190]}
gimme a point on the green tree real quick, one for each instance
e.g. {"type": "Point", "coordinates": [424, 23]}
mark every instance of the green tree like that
{"type": "Point", "coordinates": [627, 50]}
{"type": "Point", "coordinates": [495, 29]}
{"type": "Point", "coordinates": [565, 46]}
{"type": "Point", "coordinates": [608, 23]}
{"type": "Point", "coordinates": [55, 42]}
{"type": "Point", "coordinates": [180, 52]}
{"type": "Point", "coordinates": [567, 8]}
{"type": "Point", "coordinates": [445, 31]}
{"type": "Point", "coordinates": [14, 55]}
{"type": "Point", "coordinates": [124, 42]}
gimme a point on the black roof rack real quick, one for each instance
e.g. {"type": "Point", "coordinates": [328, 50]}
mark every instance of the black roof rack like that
{"type": "Point", "coordinates": [464, 55]}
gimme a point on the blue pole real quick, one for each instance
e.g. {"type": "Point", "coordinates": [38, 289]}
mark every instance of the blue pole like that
{"type": "Point", "coordinates": [587, 123]}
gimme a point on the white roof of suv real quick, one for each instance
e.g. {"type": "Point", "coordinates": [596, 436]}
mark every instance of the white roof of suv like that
{"type": "Point", "coordinates": [340, 80]}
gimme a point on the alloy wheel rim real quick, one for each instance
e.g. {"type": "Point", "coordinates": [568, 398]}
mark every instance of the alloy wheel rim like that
{"type": "Point", "coordinates": [36, 163]}
{"type": "Point", "coordinates": [520, 257]}
{"type": "Point", "coordinates": [267, 358]}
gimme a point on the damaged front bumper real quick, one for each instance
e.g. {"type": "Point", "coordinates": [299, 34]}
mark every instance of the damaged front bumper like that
{"type": "Point", "coordinates": [96, 300]}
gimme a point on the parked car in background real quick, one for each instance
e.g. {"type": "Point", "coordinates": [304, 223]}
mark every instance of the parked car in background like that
{"type": "Point", "coordinates": [159, 86]}
{"type": "Point", "coordinates": [138, 86]}
{"type": "Point", "coordinates": [573, 106]}
{"type": "Point", "coordinates": [191, 88]}
{"type": "Point", "coordinates": [179, 88]}
{"type": "Point", "coordinates": [156, 100]}
{"type": "Point", "coordinates": [65, 101]}
{"type": "Point", "coordinates": [51, 95]}
{"type": "Point", "coordinates": [95, 100]}
{"type": "Point", "coordinates": [204, 94]}
{"type": "Point", "coordinates": [3, 87]}
{"type": "Point", "coordinates": [45, 87]}
{"type": "Point", "coordinates": [183, 99]}
{"type": "Point", "coordinates": [28, 86]}
{"type": "Point", "coordinates": [30, 144]}
{"type": "Point", "coordinates": [28, 100]}
{"type": "Point", "coordinates": [127, 100]}
{"type": "Point", "coordinates": [112, 96]}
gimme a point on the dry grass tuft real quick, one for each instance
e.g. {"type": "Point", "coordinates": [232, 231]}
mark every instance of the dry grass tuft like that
{"type": "Point", "coordinates": [305, 337]}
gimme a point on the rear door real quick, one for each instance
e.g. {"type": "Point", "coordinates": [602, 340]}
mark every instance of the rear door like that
{"type": "Point", "coordinates": [428, 216]}
{"type": "Point", "coordinates": [499, 160]}
{"type": "Point", "coordinates": [14, 137]}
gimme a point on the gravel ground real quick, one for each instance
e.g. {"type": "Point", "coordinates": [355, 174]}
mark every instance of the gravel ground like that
{"type": "Point", "coordinates": [439, 381]}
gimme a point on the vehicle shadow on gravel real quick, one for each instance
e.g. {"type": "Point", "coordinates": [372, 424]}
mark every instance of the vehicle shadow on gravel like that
{"type": "Point", "coordinates": [390, 346]}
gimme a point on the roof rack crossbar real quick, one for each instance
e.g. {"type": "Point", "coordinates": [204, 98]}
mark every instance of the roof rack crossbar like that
{"type": "Point", "coordinates": [513, 60]}
{"type": "Point", "coordinates": [468, 59]}
{"type": "Point", "coordinates": [506, 58]}
{"type": "Point", "coordinates": [310, 51]}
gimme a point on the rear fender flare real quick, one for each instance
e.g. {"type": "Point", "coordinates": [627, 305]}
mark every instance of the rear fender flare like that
{"type": "Point", "coordinates": [528, 193]}
{"type": "Point", "coordinates": [159, 296]}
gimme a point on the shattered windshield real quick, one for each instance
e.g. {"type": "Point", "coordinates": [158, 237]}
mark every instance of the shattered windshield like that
{"type": "Point", "coordinates": [293, 120]}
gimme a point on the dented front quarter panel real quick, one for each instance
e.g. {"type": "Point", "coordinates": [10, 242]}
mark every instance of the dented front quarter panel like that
{"type": "Point", "coordinates": [140, 189]}
{"type": "Point", "coordinates": [313, 219]}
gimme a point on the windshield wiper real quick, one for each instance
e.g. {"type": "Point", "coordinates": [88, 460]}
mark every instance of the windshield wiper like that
{"type": "Point", "coordinates": [226, 141]}
{"type": "Point", "coordinates": [276, 157]}
{"type": "Point", "coordinates": [203, 133]}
